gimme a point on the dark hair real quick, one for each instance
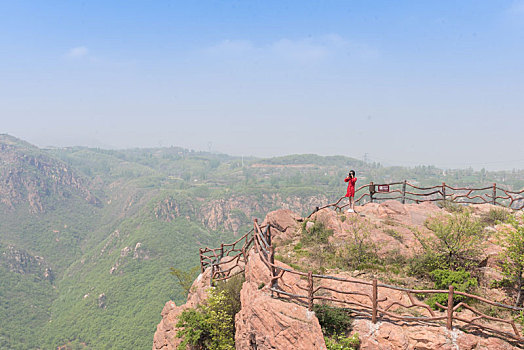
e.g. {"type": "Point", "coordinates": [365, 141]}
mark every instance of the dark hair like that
{"type": "Point", "coordinates": [352, 172]}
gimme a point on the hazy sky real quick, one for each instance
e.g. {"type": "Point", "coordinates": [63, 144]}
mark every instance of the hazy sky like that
{"type": "Point", "coordinates": [407, 82]}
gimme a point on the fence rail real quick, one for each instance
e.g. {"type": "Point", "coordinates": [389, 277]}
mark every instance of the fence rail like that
{"type": "Point", "coordinates": [377, 307]}
{"type": "Point", "coordinates": [405, 191]}
{"type": "Point", "coordinates": [259, 241]}
{"type": "Point", "coordinates": [236, 252]}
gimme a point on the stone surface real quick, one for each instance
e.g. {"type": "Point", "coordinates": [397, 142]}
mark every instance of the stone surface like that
{"type": "Point", "coordinates": [268, 323]}
{"type": "Point", "coordinates": [388, 335]}
{"type": "Point", "coordinates": [284, 224]}
{"type": "Point", "coordinates": [165, 335]}
{"type": "Point", "coordinates": [388, 225]}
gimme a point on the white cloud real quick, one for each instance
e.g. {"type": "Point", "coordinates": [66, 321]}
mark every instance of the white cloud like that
{"type": "Point", "coordinates": [303, 51]}
{"type": "Point", "coordinates": [76, 52]}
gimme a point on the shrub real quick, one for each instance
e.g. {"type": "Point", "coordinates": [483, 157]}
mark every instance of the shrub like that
{"type": "Point", "coordinates": [185, 277]}
{"type": "Point", "coordinates": [360, 251]}
{"type": "Point", "coordinates": [461, 280]}
{"type": "Point", "coordinates": [332, 320]}
{"type": "Point", "coordinates": [422, 265]}
{"type": "Point", "coordinates": [512, 239]}
{"type": "Point", "coordinates": [394, 234]}
{"type": "Point", "coordinates": [450, 206]}
{"type": "Point", "coordinates": [494, 216]}
{"type": "Point", "coordinates": [212, 325]}
{"type": "Point", "coordinates": [456, 243]}
{"type": "Point", "coordinates": [231, 289]}
{"type": "Point", "coordinates": [342, 342]}
{"type": "Point", "coordinates": [317, 234]}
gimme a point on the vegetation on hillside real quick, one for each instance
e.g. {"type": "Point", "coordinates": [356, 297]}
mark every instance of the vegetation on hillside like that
{"type": "Point", "coordinates": [110, 258]}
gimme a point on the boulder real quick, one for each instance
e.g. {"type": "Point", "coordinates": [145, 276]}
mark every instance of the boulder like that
{"type": "Point", "coordinates": [284, 222]}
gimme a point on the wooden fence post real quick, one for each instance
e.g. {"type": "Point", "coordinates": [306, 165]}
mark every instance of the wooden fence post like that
{"type": "Point", "coordinates": [371, 191]}
{"type": "Point", "coordinates": [221, 251]}
{"type": "Point", "coordinates": [268, 235]}
{"type": "Point", "coordinates": [272, 261]}
{"type": "Point", "coordinates": [255, 235]}
{"type": "Point", "coordinates": [310, 290]}
{"type": "Point", "coordinates": [201, 262]}
{"type": "Point", "coordinates": [212, 273]}
{"type": "Point", "coordinates": [494, 201]}
{"type": "Point", "coordinates": [272, 269]}
{"type": "Point", "coordinates": [444, 191]}
{"type": "Point", "coordinates": [404, 192]}
{"type": "Point", "coordinates": [374, 302]}
{"type": "Point", "coordinates": [449, 323]}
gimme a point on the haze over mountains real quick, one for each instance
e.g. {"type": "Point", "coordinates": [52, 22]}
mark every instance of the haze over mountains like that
{"type": "Point", "coordinates": [87, 236]}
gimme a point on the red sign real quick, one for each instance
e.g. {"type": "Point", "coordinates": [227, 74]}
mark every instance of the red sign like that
{"type": "Point", "coordinates": [383, 188]}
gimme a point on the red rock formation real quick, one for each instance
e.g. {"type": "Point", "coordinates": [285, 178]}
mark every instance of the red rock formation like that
{"type": "Point", "coordinates": [284, 222]}
{"type": "Point", "coordinates": [165, 335]}
{"type": "Point", "coordinates": [265, 322]}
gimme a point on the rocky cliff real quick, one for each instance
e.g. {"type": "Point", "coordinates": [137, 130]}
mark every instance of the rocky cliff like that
{"type": "Point", "coordinates": [231, 213]}
{"type": "Point", "coordinates": [20, 261]}
{"type": "Point", "coordinates": [28, 175]}
{"type": "Point", "coordinates": [265, 322]}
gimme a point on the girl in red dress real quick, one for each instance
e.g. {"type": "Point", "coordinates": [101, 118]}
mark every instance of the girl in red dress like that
{"type": "Point", "coordinates": [351, 179]}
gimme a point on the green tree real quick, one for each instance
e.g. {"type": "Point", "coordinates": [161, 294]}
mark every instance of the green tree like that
{"type": "Point", "coordinates": [185, 277]}
{"type": "Point", "coordinates": [458, 240]}
{"type": "Point", "coordinates": [513, 255]}
{"type": "Point", "coordinates": [210, 326]}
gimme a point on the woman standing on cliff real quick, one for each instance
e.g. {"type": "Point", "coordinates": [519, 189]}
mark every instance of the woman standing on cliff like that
{"type": "Point", "coordinates": [351, 179]}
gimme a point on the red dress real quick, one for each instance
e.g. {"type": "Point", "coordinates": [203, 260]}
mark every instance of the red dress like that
{"type": "Point", "coordinates": [351, 186]}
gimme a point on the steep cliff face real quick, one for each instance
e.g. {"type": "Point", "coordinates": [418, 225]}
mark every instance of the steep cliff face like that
{"type": "Point", "coordinates": [29, 175]}
{"type": "Point", "coordinates": [165, 336]}
{"type": "Point", "coordinates": [264, 323]}
{"type": "Point", "coordinates": [233, 212]}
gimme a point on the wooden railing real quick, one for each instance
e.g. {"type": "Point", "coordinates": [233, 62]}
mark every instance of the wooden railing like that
{"type": "Point", "coordinates": [377, 307]}
{"type": "Point", "coordinates": [236, 254]}
{"type": "Point", "coordinates": [259, 241]}
{"type": "Point", "coordinates": [405, 191]}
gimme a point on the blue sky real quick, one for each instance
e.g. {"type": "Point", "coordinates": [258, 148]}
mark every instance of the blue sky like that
{"type": "Point", "coordinates": [408, 82]}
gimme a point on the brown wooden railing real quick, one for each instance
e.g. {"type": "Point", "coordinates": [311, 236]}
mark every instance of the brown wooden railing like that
{"type": "Point", "coordinates": [236, 254]}
{"type": "Point", "coordinates": [405, 191]}
{"type": "Point", "coordinates": [259, 241]}
{"type": "Point", "coordinates": [377, 307]}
